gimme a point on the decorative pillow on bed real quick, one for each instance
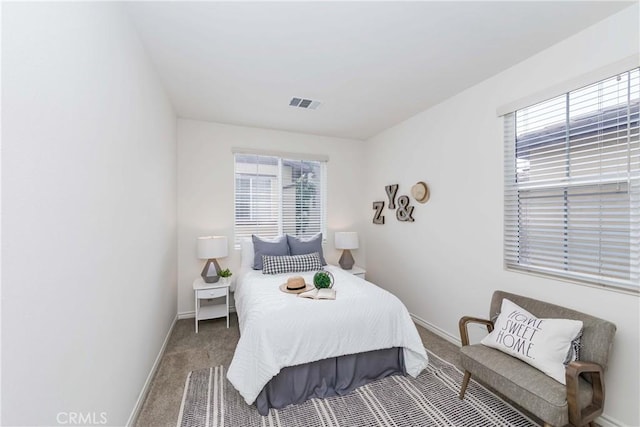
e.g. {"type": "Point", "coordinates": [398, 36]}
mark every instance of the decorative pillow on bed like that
{"type": "Point", "coordinates": [261, 246]}
{"type": "Point", "coordinates": [290, 264]}
{"type": "Point", "coordinates": [545, 344]}
{"type": "Point", "coordinates": [301, 246]}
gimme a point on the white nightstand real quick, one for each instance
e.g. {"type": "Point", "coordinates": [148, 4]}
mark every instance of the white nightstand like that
{"type": "Point", "coordinates": [357, 271]}
{"type": "Point", "coordinates": [205, 291]}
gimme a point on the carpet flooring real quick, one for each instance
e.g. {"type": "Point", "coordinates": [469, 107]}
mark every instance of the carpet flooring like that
{"type": "Point", "coordinates": [213, 346]}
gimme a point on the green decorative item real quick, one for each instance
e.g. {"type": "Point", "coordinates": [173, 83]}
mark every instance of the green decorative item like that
{"type": "Point", "coordinates": [225, 273]}
{"type": "Point", "coordinates": [323, 279]}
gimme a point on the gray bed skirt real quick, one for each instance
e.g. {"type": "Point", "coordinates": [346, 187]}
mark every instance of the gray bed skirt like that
{"type": "Point", "coordinates": [329, 377]}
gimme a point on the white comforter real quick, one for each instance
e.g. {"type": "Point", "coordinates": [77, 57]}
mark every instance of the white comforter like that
{"type": "Point", "coordinates": [278, 329]}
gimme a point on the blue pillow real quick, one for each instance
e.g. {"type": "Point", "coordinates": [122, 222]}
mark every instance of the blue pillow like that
{"type": "Point", "coordinates": [300, 246]}
{"type": "Point", "coordinates": [276, 247]}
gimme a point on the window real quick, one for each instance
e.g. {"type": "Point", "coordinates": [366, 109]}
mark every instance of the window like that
{"type": "Point", "coordinates": [276, 195]}
{"type": "Point", "coordinates": [572, 185]}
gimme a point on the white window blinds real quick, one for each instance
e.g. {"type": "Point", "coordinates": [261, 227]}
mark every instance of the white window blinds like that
{"type": "Point", "coordinates": [572, 185]}
{"type": "Point", "coordinates": [275, 195]}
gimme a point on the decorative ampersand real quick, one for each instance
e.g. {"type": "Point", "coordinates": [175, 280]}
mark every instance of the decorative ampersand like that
{"type": "Point", "coordinates": [404, 211]}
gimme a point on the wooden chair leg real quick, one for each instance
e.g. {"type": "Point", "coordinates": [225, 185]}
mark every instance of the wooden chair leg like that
{"type": "Point", "coordinates": [465, 383]}
{"type": "Point", "coordinates": [547, 425]}
{"type": "Point", "coordinates": [592, 424]}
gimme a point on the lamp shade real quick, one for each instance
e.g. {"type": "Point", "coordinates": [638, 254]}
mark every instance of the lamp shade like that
{"type": "Point", "coordinates": [346, 240]}
{"type": "Point", "coordinates": [212, 247]}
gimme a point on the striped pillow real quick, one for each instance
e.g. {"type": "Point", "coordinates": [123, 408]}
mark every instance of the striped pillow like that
{"type": "Point", "coordinates": [290, 263]}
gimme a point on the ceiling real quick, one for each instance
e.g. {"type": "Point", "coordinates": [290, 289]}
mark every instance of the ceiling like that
{"type": "Point", "coordinates": [370, 64]}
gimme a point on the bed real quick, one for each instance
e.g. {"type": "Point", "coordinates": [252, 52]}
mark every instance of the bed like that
{"type": "Point", "coordinates": [291, 348]}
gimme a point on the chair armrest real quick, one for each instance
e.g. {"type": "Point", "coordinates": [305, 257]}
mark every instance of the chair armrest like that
{"type": "Point", "coordinates": [464, 333]}
{"type": "Point", "coordinates": [595, 375]}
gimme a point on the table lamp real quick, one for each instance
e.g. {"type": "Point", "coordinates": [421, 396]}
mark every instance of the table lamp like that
{"type": "Point", "coordinates": [210, 248]}
{"type": "Point", "coordinates": [346, 240]}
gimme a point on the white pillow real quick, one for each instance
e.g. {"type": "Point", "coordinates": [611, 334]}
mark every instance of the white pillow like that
{"type": "Point", "coordinates": [544, 344]}
{"type": "Point", "coordinates": [247, 254]}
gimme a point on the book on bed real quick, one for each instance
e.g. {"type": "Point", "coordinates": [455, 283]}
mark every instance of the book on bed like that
{"type": "Point", "coordinates": [325, 293]}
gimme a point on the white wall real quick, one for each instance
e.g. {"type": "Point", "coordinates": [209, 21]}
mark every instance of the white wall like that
{"type": "Point", "coordinates": [206, 184]}
{"type": "Point", "coordinates": [449, 261]}
{"type": "Point", "coordinates": [89, 214]}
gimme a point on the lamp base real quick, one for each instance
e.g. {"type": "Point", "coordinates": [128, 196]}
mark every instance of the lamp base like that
{"type": "Point", "coordinates": [211, 271]}
{"type": "Point", "coordinates": [346, 261]}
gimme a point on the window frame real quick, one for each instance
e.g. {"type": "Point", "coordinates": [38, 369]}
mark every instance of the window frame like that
{"type": "Point", "coordinates": [282, 216]}
{"type": "Point", "coordinates": [513, 191]}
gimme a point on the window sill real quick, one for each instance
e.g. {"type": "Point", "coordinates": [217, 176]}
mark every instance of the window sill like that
{"type": "Point", "coordinates": [609, 288]}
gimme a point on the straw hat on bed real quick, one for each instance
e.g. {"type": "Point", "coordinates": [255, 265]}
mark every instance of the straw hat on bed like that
{"type": "Point", "coordinates": [295, 285]}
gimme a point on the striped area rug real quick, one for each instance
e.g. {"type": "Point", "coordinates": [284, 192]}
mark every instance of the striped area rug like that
{"type": "Point", "coordinates": [430, 400]}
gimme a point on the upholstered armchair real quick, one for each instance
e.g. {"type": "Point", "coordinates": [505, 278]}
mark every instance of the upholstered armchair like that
{"type": "Point", "coordinates": [577, 403]}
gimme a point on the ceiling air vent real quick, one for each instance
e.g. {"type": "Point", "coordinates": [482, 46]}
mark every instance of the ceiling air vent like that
{"type": "Point", "coordinates": [304, 103]}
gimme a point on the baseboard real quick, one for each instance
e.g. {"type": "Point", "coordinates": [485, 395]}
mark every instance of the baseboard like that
{"type": "Point", "coordinates": [145, 389]}
{"type": "Point", "coordinates": [436, 330]}
{"type": "Point", "coordinates": [606, 421]}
